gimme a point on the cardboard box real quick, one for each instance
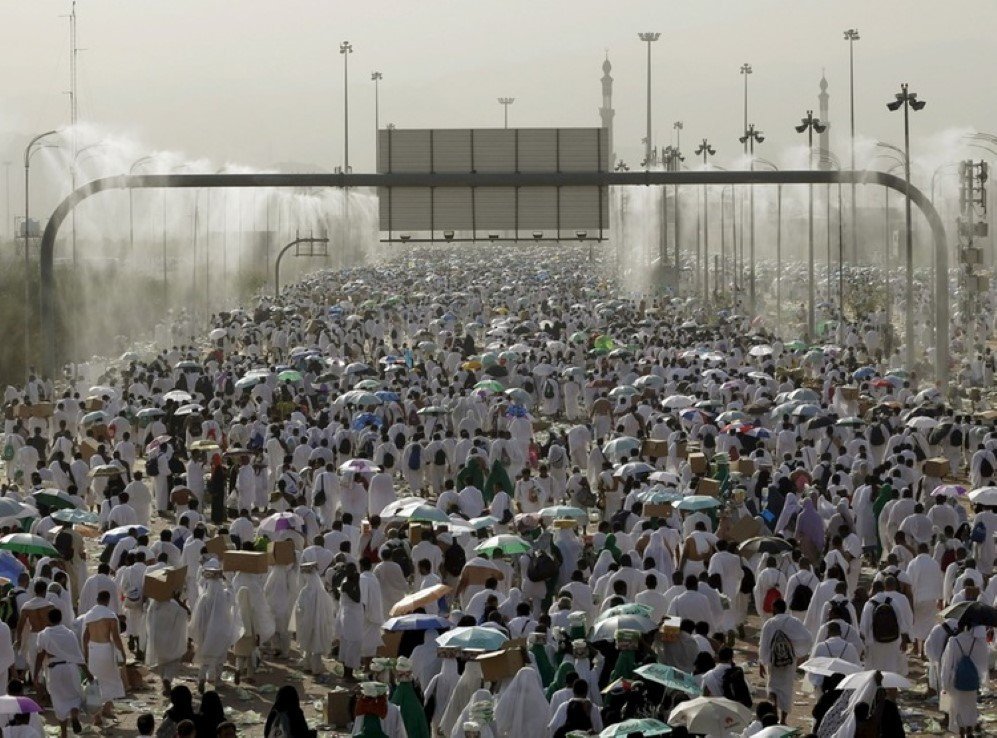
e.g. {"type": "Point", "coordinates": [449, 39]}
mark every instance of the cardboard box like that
{"type": "Point", "coordinates": [217, 546]}
{"type": "Point", "coordinates": [250, 562]}
{"type": "Point", "coordinates": [132, 677]}
{"type": "Point", "coordinates": [88, 447]}
{"type": "Point", "coordinates": [708, 486]}
{"type": "Point", "coordinates": [339, 708]}
{"type": "Point", "coordinates": [481, 574]}
{"type": "Point", "coordinates": [745, 467]}
{"type": "Point", "coordinates": [390, 643]}
{"type": "Point", "coordinates": [849, 393]}
{"type": "Point", "coordinates": [416, 533]}
{"type": "Point", "coordinates": [38, 410]}
{"type": "Point", "coordinates": [654, 449]}
{"type": "Point", "coordinates": [281, 553]}
{"type": "Point", "coordinates": [162, 583]}
{"type": "Point", "coordinates": [698, 464]}
{"type": "Point", "coordinates": [682, 449]}
{"type": "Point", "coordinates": [937, 467]}
{"type": "Point", "coordinates": [656, 510]}
{"type": "Point", "coordinates": [744, 529]}
{"type": "Point", "coordinates": [502, 664]}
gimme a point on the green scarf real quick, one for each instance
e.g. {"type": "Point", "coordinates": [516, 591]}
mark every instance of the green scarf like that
{"type": "Point", "coordinates": [412, 713]}
{"type": "Point", "coordinates": [559, 676]}
{"type": "Point", "coordinates": [544, 668]}
{"type": "Point", "coordinates": [498, 479]}
{"type": "Point", "coordinates": [471, 475]}
{"type": "Point", "coordinates": [371, 728]}
{"type": "Point", "coordinates": [612, 547]}
{"type": "Point", "coordinates": [626, 662]}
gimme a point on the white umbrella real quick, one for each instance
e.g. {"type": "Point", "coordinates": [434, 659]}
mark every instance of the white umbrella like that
{"type": "Point", "coordinates": [984, 496]}
{"type": "Point", "coordinates": [217, 334]}
{"type": "Point", "coordinates": [178, 396]}
{"type": "Point", "coordinates": [762, 350]}
{"type": "Point", "coordinates": [922, 423]}
{"type": "Point", "coordinates": [826, 666]}
{"type": "Point", "coordinates": [891, 680]}
{"type": "Point", "coordinates": [713, 715]}
{"type": "Point", "coordinates": [677, 402]}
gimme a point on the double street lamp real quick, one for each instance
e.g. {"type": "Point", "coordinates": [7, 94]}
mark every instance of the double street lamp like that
{"type": "Point", "coordinates": [376, 78]}
{"type": "Point", "coordinates": [705, 150]}
{"type": "Point", "coordinates": [750, 138]}
{"type": "Point", "coordinates": [851, 36]}
{"type": "Point", "coordinates": [505, 102]}
{"type": "Point", "coordinates": [648, 38]}
{"type": "Point", "coordinates": [809, 125]}
{"type": "Point", "coordinates": [28, 151]}
{"type": "Point", "coordinates": [907, 100]}
{"type": "Point", "coordinates": [346, 48]}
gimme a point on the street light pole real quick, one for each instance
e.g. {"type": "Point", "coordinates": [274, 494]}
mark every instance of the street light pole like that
{"type": "Point", "coordinates": [750, 138]}
{"type": "Point", "coordinates": [908, 100]}
{"type": "Point", "coordinates": [677, 163]}
{"type": "Point", "coordinates": [27, 241]}
{"type": "Point", "coordinates": [376, 77]}
{"type": "Point", "coordinates": [649, 38]}
{"type": "Point", "coordinates": [809, 125]}
{"type": "Point", "coordinates": [851, 36]}
{"type": "Point", "coordinates": [745, 71]}
{"type": "Point", "coordinates": [706, 150]}
{"type": "Point", "coordinates": [346, 48]}
{"type": "Point", "coordinates": [505, 102]}
{"type": "Point", "coordinates": [7, 222]}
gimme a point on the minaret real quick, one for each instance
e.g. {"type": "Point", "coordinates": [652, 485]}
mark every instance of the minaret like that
{"type": "Point", "coordinates": [606, 112]}
{"type": "Point", "coordinates": [824, 158]}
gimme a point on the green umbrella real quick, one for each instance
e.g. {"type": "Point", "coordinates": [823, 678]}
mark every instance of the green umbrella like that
{"type": "Point", "coordinates": [489, 385]}
{"type": "Point", "coordinates": [639, 726]}
{"type": "Point", "coordinates": [55, 498]}
{"type": "Point", "coordinates": [507, 544]}
{"type": "Point", "coordinates": [472, 638]}
{"type": "Point", "coordinates": [427, 514]}
{"type": "Point", "coordinates": [604, 342]}
{"type": "Point", "coordinates": [796, 345]}
{"type": "Point", "coordinates": [289, 375]}
{"type": "Point", "coordinates": [27, 543]}
{"type": "Point", "coordinates": [74, 516]}
{"type": "Point", "coordinates": [630, 608]}
{"type": "Point", "coordinates": [670, 678]}
{"type": "Point", "coordinates": [578, 338]}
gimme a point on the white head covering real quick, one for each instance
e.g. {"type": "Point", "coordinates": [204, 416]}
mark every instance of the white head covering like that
{"type": "Point", "coordinates": [520, 704]}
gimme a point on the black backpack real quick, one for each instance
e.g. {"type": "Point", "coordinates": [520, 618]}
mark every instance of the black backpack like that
{"type": "Point", "coordinates": [801, 598]}
{"type": "Point", "coordinates": [885, 627]}
{"type": "Point", "coordinates": [876, 437]}
{"type": "Point", "coordinates": [838, 610]}
{"type": "Point", "coordinates": [415, 458]}
{"type": "Point", "coordinates": [541, 567]}
{"type": "Point", "coordinates": [152, 466]}
{"type": "Point", "coordinates": [735, 687]}
{"type": "Point", "coordinates": [986, 468]}
{"type": "Point", "coordinates": [956, 437]}
{"type": "Point", "coordinates": [783, 651]}
{"type": "Point", "coordinates": [747, 581]}
{"type": "Point", "coordinates": [400, 439]}
{"type": "Point", "coordinates": [388, 462]}
{"type": "Point", "coordinates": [549, 390]}
{"type": "Point", "coordinates": [440, 457]}
{"type": "Point", "coordinates": [344, 445]}
{"type": "Point", "coordinates": [454, 559]}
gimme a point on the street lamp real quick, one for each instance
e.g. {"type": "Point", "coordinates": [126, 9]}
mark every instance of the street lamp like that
{"type": "Point", "coordinates": [505, 102]}
{"type": "Point", "coordinates": [675, 165]}
{"type": "Point", "coordinates": [908, 100]}
{"type": "Point", "coordinates": [28, 151]}
{"type": "Point", "coordinates": [648, 38]}
{"type": "Point", "coordinates": [750, 138]}
{"type": "Point", "coordinates": [745, 71]}
{"type": "Point", "coordinates": [809, 125]}
{"type": "Point", "coordinates": [706, 151]}
{"type": "Point", "coordinates": [376, 78]}
{"type": "Point", "coordinates": [346, 48]}
{"type": "Point", "coordinates": [851, 36]}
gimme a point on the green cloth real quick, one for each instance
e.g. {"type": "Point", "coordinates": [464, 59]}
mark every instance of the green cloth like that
{"type": "Point", "coordinates": [371, 728]}
{"type": "Point", "coordinates": [471, 475]}
{"type": "Point", "coordinates": [412, 713]}
{"type": "Point", "coordinates": [612, 547]}
{"type": "Point", "coordinates": [544, 668]}
{"type": "Point", "coordinates": [626, 662]}
{"type": "Point", "coordinates": [498, 479]}
{"type": "Point", "coordinates": [884, 496]}
{"type": "Point", "coordinates": [559, 676]}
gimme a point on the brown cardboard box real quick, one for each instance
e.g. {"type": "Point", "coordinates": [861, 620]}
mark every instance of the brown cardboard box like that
{"type": "Point", "coordinates": [481, 574]}
{"type": "Point", "coordinates": [698, 464]}
{"type": "Point", "coordinates": [849, 393]}
{"type": "Point", "coordinates": [746, 467]}
{"type": "Point", "coordinates": [417, 532]}
{"type": "Point", "coordinates": [708, 486]}
{"type": "Point", "coordinates": [281, 553]}
{"type": "Point", "coordinates": [93, 403]}
{"type": "Point", "coordinates": [217, 546]}
{"type": "Point", "coordinates": [681, 449]}
{"type": "Point", "coordinates": [659, 510]}
{"type": "Point", "coordinates": [88, 447]}
{"type": "Point", "coordinates": [654, 449]}
{"type": "Point", "coordinates": [502, 664]}
{"type": "Point", "coordinates": [250, 562]}
{"type": "Point", "coordinates": [937, 467]}
{"type": "Point", "coordinates": [339, 708]}
{"type": "Point", "coordinates": [162, 583]}
{"type": "Point", "coordinates": [391, 641]}
{"type": "Point", "coordinates": [132, 677]}
{"type": "Point", "coordinates": [38, 410]}
{"type": "Point", "coordinates": [744, 529]}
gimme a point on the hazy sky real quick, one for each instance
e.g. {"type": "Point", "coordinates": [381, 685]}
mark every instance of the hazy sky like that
{"type": "Point", "coordinates": [261, 81]}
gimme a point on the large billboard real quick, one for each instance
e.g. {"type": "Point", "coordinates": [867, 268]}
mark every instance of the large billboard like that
{"type": "Point", "coordinates": [478, 213]}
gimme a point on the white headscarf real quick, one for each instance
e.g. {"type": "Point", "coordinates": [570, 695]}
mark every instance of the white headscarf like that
{"type": "Point", "coordinates": [469, 683]}
{"type": "Point", "coordinates": [518, 708]}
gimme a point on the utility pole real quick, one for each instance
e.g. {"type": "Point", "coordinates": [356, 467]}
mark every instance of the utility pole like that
{"type": "Point", "coordinates": [7, 223]}
{"type": "Point", "coordinates": [648, 38]}
{"type": "Point", "coordinates": [505, 102]}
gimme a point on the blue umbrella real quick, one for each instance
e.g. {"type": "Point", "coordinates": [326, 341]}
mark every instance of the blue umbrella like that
{"type": "Point", "coordinates": [516, 411]}
{"type": "Point", "coordinates": [417, 622]}
{"type": "Point", "coordinates": [116, 534]}
{"type": "Point", "coordinates": [759, 433]}
{"type": "Point", "coordinates": [365, 419]}
{"type": "Point", "coordinates": [388, 396]}
{"type": "Point", "coordinates": [863, 373]}
{"type": "Point", "coordinates": [10, 567]}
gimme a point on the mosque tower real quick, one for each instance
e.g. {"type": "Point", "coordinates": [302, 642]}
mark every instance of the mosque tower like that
{"type": "Point", "coordinates": [606, 112]}
{"type": "Point", "coordinates": [824, 156]}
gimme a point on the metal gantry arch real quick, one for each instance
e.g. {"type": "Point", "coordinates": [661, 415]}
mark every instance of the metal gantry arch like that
{"type": "Point", "coordinates": [509, 179]}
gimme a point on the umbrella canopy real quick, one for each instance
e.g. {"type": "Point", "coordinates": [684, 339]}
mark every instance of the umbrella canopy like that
{"type": "Point", "coordinates": [697, 502]}
{"type": "Point", "coordinates": [806, 410]}
{"type": "Point", "coordinates": [73, 516]}
{"type": "Point", "coordinates": [665, 477]}
{"type": "Point", "coordinates": [621, 446]}
{"type": "Point", "coordinates": [564, 512]}
{"type": "Point", "coordinates": [27, 543]}
{"type": "Point", "coordinates": [507, 544]}
{"type": "Point", "coordinates": [97, 417]}
{"type": "Point", "coordinates": [191, 409]}
{"type": "Point", "coordinates": [948, 490]}
{"type": "Point", "coordinates": [765, 545]}
{"type": "Point", "coordinates": [922, 423]}
{"type": "Point", "coordinates": [155, 443]}
{"type": "Point", "coordinates": [359, 466]}
{"type": "Point", "coordinates": [626, 390]}
{"type": "Point", "coordinates": [649, 381]}
{"type": "Point", "coordinates": [658, 495]}
{"type": "Point", "coordinates": [517, 394]}
{"type": "Point", "coordinates": [828, 666]}
{"type": "Point", "coordinates": [473, 637]}
{"type": "Point", "coordinates": [638, 726]}
{"type": "Point", "coordinates": [605, 630]}
{"type": "Point", "coordinates": [18, 705]}
{"type": "Point", "coordinates": [417, 622]}
{"type": "Point", "coordinates": [670, 678]}
{"type": "Point", "coordinates": [279, 522]}
{"type": "Point", "coordinates": [631, 608]}
{"type": "Point", "coordinates": [105, 470]}
{"type": "Point", "coordinates": [891, 680]}
{"type": "Point", "coordinates": [677, 402]}
{"type": "Point", "coordinates": [761, 350]}
{"type": "Point", "coordinates": [984, 496]}
{"type": "Point", "coordinates": [490, 385]}
{"type": "Point", "coordinates": [361, 398]}
{"type": "Point", "coordinates": [205, 445]}
{"type": "Point", "coordinates": [716, 715]}
{"type": "Point", "coordinates": [411, 602]}
{"type": "Point", "coordinates": [424, 514]}
{"type": "Point", "coordinates": [147, 413]}
{"type": "Point", "coordinates": [55, 499]}
{"type": "Point", "coordinates": [370, 385]}
{"type": "Point", "coordinates": [178, 396]}
{"type": "Point", "coordinates": [11, 508]}
{"type": "Point", "coordinates": [432, 410]}
{"type": "Point", "coordinates": [116, 534]}
{"type": "Point", "coordinates": [979, 614]}
{"type": "Point", "coordinates": [633, 469]}
{"type": "Point", "coordinates": [957, 609]}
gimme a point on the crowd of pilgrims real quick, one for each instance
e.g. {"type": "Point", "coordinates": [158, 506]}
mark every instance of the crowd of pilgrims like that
{"type": "Point", "coordinates": [474, 452]}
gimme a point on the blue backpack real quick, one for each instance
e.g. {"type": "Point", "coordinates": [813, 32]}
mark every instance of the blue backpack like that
{"type": "Point", "coordinates": [979, 532]}
{"type": "Point", "coordinates": [415, 458]}
{"type": "Point", "coordinates": [967, 676]}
